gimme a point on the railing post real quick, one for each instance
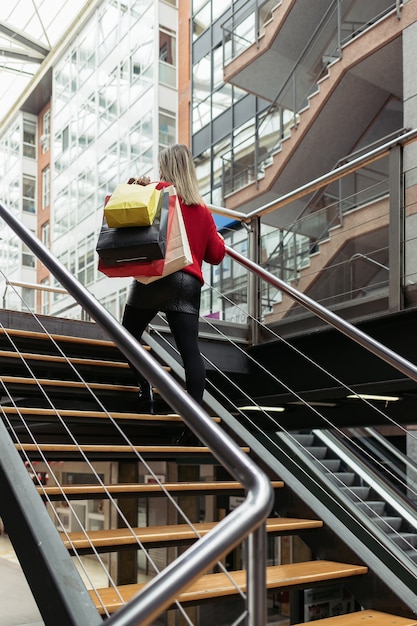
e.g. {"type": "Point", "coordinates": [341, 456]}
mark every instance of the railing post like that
{"type": "Point", "coordinates": [256, 577]}
{"type": "Point", "coordinates": [339, 28]}
{"type": "Point", "coordinates": [257, 24]}
{"type": "Point", "coordinates": [396, 231]}
{"type": "Point", "coordinates": [254, 295]}
{"type": "Point", "coordinates": [398, 4]}
{"type": "Point", "coordinates": [256, 151]}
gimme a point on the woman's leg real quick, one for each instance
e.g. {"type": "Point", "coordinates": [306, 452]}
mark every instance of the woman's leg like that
{"type": "Point", "coordinates": [135, 321]}
{"type": "Point", "coordinates": [184, 327]}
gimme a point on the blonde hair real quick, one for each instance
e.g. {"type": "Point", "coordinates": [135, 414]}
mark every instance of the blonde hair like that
{"type": "Point", "coordinates": [176, 166]}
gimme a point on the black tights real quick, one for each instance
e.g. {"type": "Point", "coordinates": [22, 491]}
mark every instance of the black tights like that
{"type": "Point", "coordinates": [184, 327]}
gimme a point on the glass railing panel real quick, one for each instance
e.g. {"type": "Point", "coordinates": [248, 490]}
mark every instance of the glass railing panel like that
{"type": "Point", "coordinates": [246, 25]}
{"type": "Point", "coordinates": [331, 249]}
{"type": "Point", "coordinates": [225, 292]}
{"type": "Point", "coordinates": [410, 232]}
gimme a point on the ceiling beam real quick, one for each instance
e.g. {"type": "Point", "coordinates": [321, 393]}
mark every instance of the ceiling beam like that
{"type": "Point", "coordinates": [23, 39]}
{"type": "Point", "coordinates": [6, 53]}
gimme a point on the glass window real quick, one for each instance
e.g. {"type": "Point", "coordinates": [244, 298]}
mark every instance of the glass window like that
{"type": "Point", "coordinates": [61, 212]}
{"type": "Point", "coordinates": [65, 139]}
{"type": "Point", "coordinates": [46, 187]}
{"type": "Point", "coordinates": [28, 297]}
{"type": "Point", "coordinates": [197, 4]}
{"type": "Point", "coordinates": [29, 191]}
{"type": "Point", "coordinates": [202, 20]}
{"type": "Point", "coordinates": [218, 7]}
{"type": "Point", "coordinates": [29, 139]}
{"type": "Point", "coordinates": [141, 60]}
{"type": "Point", "coordinates": [167, 57]}
{"type": "Point", "coordinates": [167, 46]}
{"type": "Point", "coordinates": [107, 31]}
{"type": "Point", "coordinates": [202, 92]}
{"type": "Point", "coordinates": [46, 234]}
{"type": "Point", "coordinates": [221, 100]}
{"type": "Point", "coordinates": [167, 131]}
{"type": "Point", "coordinates": [217, 67]}
{"type": "Point", "coordinates": [86, 260]}
{"type": "Point", "coordinates": [28, 258]}
{"type": "Point", "coordinates": [46, 132]}
{"type": "Point", "coordinates": [202, 165]}
{"type": "Point", "coordinates": [86, 194]}
{"type": "Point", "coordinates": [45, 298]}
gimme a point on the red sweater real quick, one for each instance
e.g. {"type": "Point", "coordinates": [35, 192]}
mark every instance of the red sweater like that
{"type": "Point", "coordinates": [205, 242]}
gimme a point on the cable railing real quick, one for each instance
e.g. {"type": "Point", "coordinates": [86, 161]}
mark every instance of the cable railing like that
{"type": "Point", "coordinates": [247, 519]}
{"type": "Point", "coordinates": [249, 405]}
{"type": "Point", "coordinates": [251, 410]}
{"type": "Point", "coordinates": [240, 412]}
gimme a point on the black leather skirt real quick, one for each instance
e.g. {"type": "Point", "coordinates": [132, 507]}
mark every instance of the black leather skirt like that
{"type": "Point", "coordinates": [180, 292]}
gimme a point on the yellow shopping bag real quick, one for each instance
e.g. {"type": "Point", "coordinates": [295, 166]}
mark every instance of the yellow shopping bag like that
{"type": "Point", "coordinates": [133, 205]}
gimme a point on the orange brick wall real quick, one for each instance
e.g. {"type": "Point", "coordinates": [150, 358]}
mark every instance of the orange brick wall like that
{"type": "Point", "coordinates": [184, 78]}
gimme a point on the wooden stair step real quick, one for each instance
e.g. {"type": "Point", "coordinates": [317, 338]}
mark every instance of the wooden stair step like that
{"type": "Point", "coordinates": [86, 492]}
{"type": "Point", "coordinates": [71, 384]}
{"type": "Point", "coordinates": [15, 332]}
{"type": "Point", "coordinates": [103, 451]}
{"type": "Point", "coordinates": [68, 413]}
{"type": "Point", "coordinates": [364, 618]}
{"type": "Point", "coordinates": [50, 358]}
{"type": "Point", "coordinates": [211, 586]}
{"type": "Point", "coordinates": [156, 536]}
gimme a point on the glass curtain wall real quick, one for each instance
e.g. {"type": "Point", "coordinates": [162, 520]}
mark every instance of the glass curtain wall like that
{"type": "Point", "coordinates": [18, 192]}
{"type": "Point", "coordinates": [107, 126]}
{"type": "Point", "coordinates": [221, 114]}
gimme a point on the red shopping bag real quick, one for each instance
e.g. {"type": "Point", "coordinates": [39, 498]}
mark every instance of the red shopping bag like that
{"type": "Point", "coordinates": [125, 269]}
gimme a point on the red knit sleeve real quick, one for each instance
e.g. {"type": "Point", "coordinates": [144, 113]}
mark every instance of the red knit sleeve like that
{"type": "Point", "coordinates": [215, 249]}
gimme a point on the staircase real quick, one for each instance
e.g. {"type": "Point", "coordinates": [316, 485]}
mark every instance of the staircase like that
{"type": "Point", "coordinates": [113, 456]}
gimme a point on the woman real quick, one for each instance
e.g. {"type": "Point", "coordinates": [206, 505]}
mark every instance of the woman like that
{"type": "Point", "coordinates": [178, 295]}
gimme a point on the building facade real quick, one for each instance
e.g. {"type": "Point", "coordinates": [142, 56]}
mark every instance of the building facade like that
{"type": "Point", "coordinates": [282, 94]}
{"type": "Point", "coordinates": [269, 96]}
{"type": "Point", "coordinates": [109, 106]}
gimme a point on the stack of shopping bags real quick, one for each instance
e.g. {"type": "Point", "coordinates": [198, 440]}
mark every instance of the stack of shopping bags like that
{"type": "Point", "coordinates": [143, 233]}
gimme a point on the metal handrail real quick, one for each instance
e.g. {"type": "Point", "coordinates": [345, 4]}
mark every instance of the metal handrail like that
{"type": "Point", "coordinates": [25, 285]}
{"type": "Point", "coordinates": [378, 349]}
{"type": "Point", "coordinates": [317, 183]}
{"type": "Point", "coordinates": [248, 518]}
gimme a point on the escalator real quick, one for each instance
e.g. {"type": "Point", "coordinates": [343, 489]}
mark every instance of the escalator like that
{"type": "Point", "coordinates": [359, 464]}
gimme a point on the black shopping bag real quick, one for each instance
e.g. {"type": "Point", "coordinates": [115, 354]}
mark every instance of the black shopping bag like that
{"type": "Point", "coordinates": [135, 243]}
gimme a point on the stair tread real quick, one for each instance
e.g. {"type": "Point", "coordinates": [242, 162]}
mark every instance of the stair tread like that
{"type": "Point", "coordinates": [368, 617]}
{"type": "Point", "coordinates": [64, 449]}
{"type": "Point", "coordinates": [52, 382]}
{"type": "Point", "coordinates": [171, 417]}
{"type": "Point", "coordinates": [218, 585]}
{"type": "Point", "coordinates": [16, 332]}
{"type": "Point", "coordinates": [86, 490]}
{"type": "Point", "coordinates": [173, 532]}
{"type": "Point", "coordinates": [31, 356]}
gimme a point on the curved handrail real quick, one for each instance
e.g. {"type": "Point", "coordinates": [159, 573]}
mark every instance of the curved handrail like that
{"type": "Point", "coordinates": [248, 518]}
